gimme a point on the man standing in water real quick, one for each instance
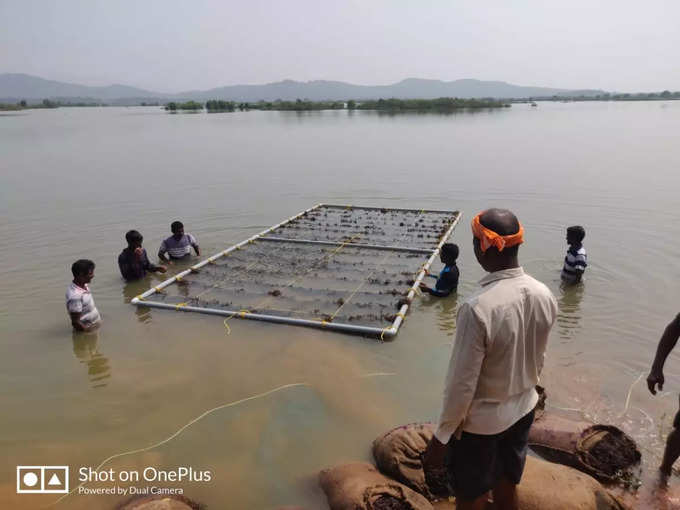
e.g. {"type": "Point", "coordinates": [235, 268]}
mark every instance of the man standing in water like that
{"type": "Point", "coordinates": [668, 340]}
{"type": "Point", "coordinates": [79, 302]}
{"type": "Point", "coordinates": [133, 261]}
{"type": "Point", "coordinates": [489, 396]}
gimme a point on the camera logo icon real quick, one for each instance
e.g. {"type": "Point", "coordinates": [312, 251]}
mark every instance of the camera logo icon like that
{"type": "Point", "coordinates": [42, 479]}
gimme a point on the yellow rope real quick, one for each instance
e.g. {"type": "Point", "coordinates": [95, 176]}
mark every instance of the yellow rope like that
{"type": "Point", "coordinates": [179, 305]}
{"type": "Point", "coordinates": [140, 298]}
{"type": "Point", "coordinates": [227, 326]}
{"type": "Point", "coordinates": [401, 315]}
{"type": "Point", "coordinates": [263, 302]}
{"type": "Point", "coordinates": [199, 418]}
{"type": "Point", "coordinates": [360, 286]}
{"type": "Point", "coordinates": [178, 278]}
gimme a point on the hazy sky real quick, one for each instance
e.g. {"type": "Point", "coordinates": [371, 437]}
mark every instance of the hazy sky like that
{"type": "Point", "coordinates": [173, 45]}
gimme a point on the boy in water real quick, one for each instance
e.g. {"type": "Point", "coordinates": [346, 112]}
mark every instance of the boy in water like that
{"type": "Point", "coordinates": [178, 245]}
{"type": "Point", "coordinates": [575, 262]}
{"type": "Point", "coordinates": [79, 302]}
{"type": "Point", "coordinates": [447, 282]}
{"type": "Point", "coordinates": [133, 261]}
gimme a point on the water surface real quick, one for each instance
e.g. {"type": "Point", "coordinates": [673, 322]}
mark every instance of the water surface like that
{"type": "Point", "coordinates": [73, 180]}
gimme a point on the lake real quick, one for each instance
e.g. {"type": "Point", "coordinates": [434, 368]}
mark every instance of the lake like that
{"type": "Point", "coordinates": [74, 180]}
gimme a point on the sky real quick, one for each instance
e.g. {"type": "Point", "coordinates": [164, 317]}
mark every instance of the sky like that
{"type": "Point", "coordinates": [180, 45]}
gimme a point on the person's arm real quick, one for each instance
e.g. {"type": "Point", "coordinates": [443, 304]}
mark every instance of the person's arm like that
{"type": "Point", "coordinates": [194, 245]}
{"type": "Point", "coordinates": [461, 383]}
{"type": "Point", "coordinates": [446, 284]}
{"type": "Point", "coordinates": [162, 251]}
{"type": "Point", "coordinates": [146, 263]}
{"type": "Point", "coordinates": [666, 343]}
{"type": "Point", "coordinates": [78, 325]}
{"type": "Point", "coordinates": [580, 265]}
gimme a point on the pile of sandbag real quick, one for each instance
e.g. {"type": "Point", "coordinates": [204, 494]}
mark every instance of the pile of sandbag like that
{"type": "Point", "coordinates": [404, 486]}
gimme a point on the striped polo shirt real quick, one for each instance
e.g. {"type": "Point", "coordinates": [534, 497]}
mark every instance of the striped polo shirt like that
{"type": "Point", "coordinates": [575, 262]}
{"type": "Point", "coordinates": [178, 248]}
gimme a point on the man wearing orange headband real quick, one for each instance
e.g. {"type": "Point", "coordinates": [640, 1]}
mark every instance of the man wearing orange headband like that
{"type": "Point", "coordinates": [489, 396]}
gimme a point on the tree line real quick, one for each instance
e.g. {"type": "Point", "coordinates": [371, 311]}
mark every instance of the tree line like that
{"type": "Point", "coordinates": [440, 104]}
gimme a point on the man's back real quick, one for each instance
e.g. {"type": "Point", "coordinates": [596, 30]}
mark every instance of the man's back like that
{"type": "Point", "coordinates": [516, 313]}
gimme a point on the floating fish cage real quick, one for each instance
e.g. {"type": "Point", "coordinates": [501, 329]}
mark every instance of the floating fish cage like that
{"type": "Point", "coordinates": [343, 268]}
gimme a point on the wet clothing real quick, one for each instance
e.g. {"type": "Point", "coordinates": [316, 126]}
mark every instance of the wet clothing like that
{"type": "Point", "coordinates": [498, 354]}
{"type": "Point", "coordinates": [80, 300]}
{"type": "Point", "coordinates": [178, 249]}
{"type": "Point", "coordinates": [133, 268]}
{"type": "Point", "coordinates": [575, 262]}
{"type": "Point", "coordinates": [476, 462]}
{"type": "Point", "coordinates": [447, 281]}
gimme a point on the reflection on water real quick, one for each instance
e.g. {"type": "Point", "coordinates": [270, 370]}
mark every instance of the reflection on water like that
{"type": "Point", "coordinates": [569, 314]}
{"type": "Point", "coordinates": [86, 351]}
{"type": "Point", "coordinates": [446, 309]}
{"type": "Point", "coordinates": [134, 289]}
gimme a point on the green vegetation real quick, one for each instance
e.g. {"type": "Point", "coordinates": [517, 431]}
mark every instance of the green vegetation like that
{"type": "Point", "coordinates": [217, 105]}
{"type": "Point", "coordinates": [189, 105]}
{"type": "Point", "coordinates": [298, 105]}
{"type": "Point", "coordinates": [441, 104]}
{"type": "Point", "coordinates": [23, 105]}
{"type": "Point", "coordinates": [638, 96]}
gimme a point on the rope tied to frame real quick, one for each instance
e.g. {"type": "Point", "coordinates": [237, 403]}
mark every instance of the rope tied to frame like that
{"type": "Point", "coordinates": [179, 305]}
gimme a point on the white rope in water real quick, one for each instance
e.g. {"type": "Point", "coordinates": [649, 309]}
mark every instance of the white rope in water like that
{"type": "Point", "coordinates": [200, 417]}
{"type": "Point", "coordinates": [630, 391]}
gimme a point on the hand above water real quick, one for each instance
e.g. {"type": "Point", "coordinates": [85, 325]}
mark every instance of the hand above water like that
{"type": "Point", "coordinates": [654, 378]}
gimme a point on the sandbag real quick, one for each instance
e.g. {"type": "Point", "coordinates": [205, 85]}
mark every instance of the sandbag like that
{"type": "Point", "coordinates": [160, 503]}
{"type": "Point", "coordinates": [551, 486]}
{"type": "Point", "coordinates": [359, 486]}
{"type": "Point", "coordinates": [398, 454]}
{"type": "Point", "coordinates": [602, 451]}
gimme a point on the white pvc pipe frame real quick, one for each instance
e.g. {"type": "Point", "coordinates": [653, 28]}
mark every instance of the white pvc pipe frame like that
{"type": "Point", "coordinates": [383, 333]}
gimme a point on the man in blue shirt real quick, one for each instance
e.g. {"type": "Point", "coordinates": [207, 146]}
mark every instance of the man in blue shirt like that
{"type": "Point", "coordinates": [447, 281]}
{"type": "Point", "coordinates": [133, 261]}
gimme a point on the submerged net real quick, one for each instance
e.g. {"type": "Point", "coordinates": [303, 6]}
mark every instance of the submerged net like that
{"type": "Point", "coordinates": [329, 264]}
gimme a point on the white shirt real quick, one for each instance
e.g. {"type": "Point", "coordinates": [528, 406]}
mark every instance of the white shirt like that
{"type": "Point", "coordinates": [79, 300]}
{"type": "Point", "coordinates": [501, 335]}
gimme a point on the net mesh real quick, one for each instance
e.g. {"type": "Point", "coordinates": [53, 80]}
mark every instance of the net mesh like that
{"type": "Point", "coordinates": [351, 279]}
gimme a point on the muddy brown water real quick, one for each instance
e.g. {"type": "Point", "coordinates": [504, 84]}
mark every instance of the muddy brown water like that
{"type": "Point", "coordinates": [72, 181]}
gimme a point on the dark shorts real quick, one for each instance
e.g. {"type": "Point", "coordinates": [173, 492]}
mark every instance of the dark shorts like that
{"type": "Point", "coordinates": [477, 462]}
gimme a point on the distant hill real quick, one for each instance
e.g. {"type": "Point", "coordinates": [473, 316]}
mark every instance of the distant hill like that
{"type": "Point", "coordinates": [15, 87]}
{"type": "Point", "coordinates": [410, 88]}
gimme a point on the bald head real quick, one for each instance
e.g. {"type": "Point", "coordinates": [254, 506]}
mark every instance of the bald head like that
{"type": "Point", "coordinates": [501, 221]}
{"type": "Point", "coordinates": [504, 223]}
